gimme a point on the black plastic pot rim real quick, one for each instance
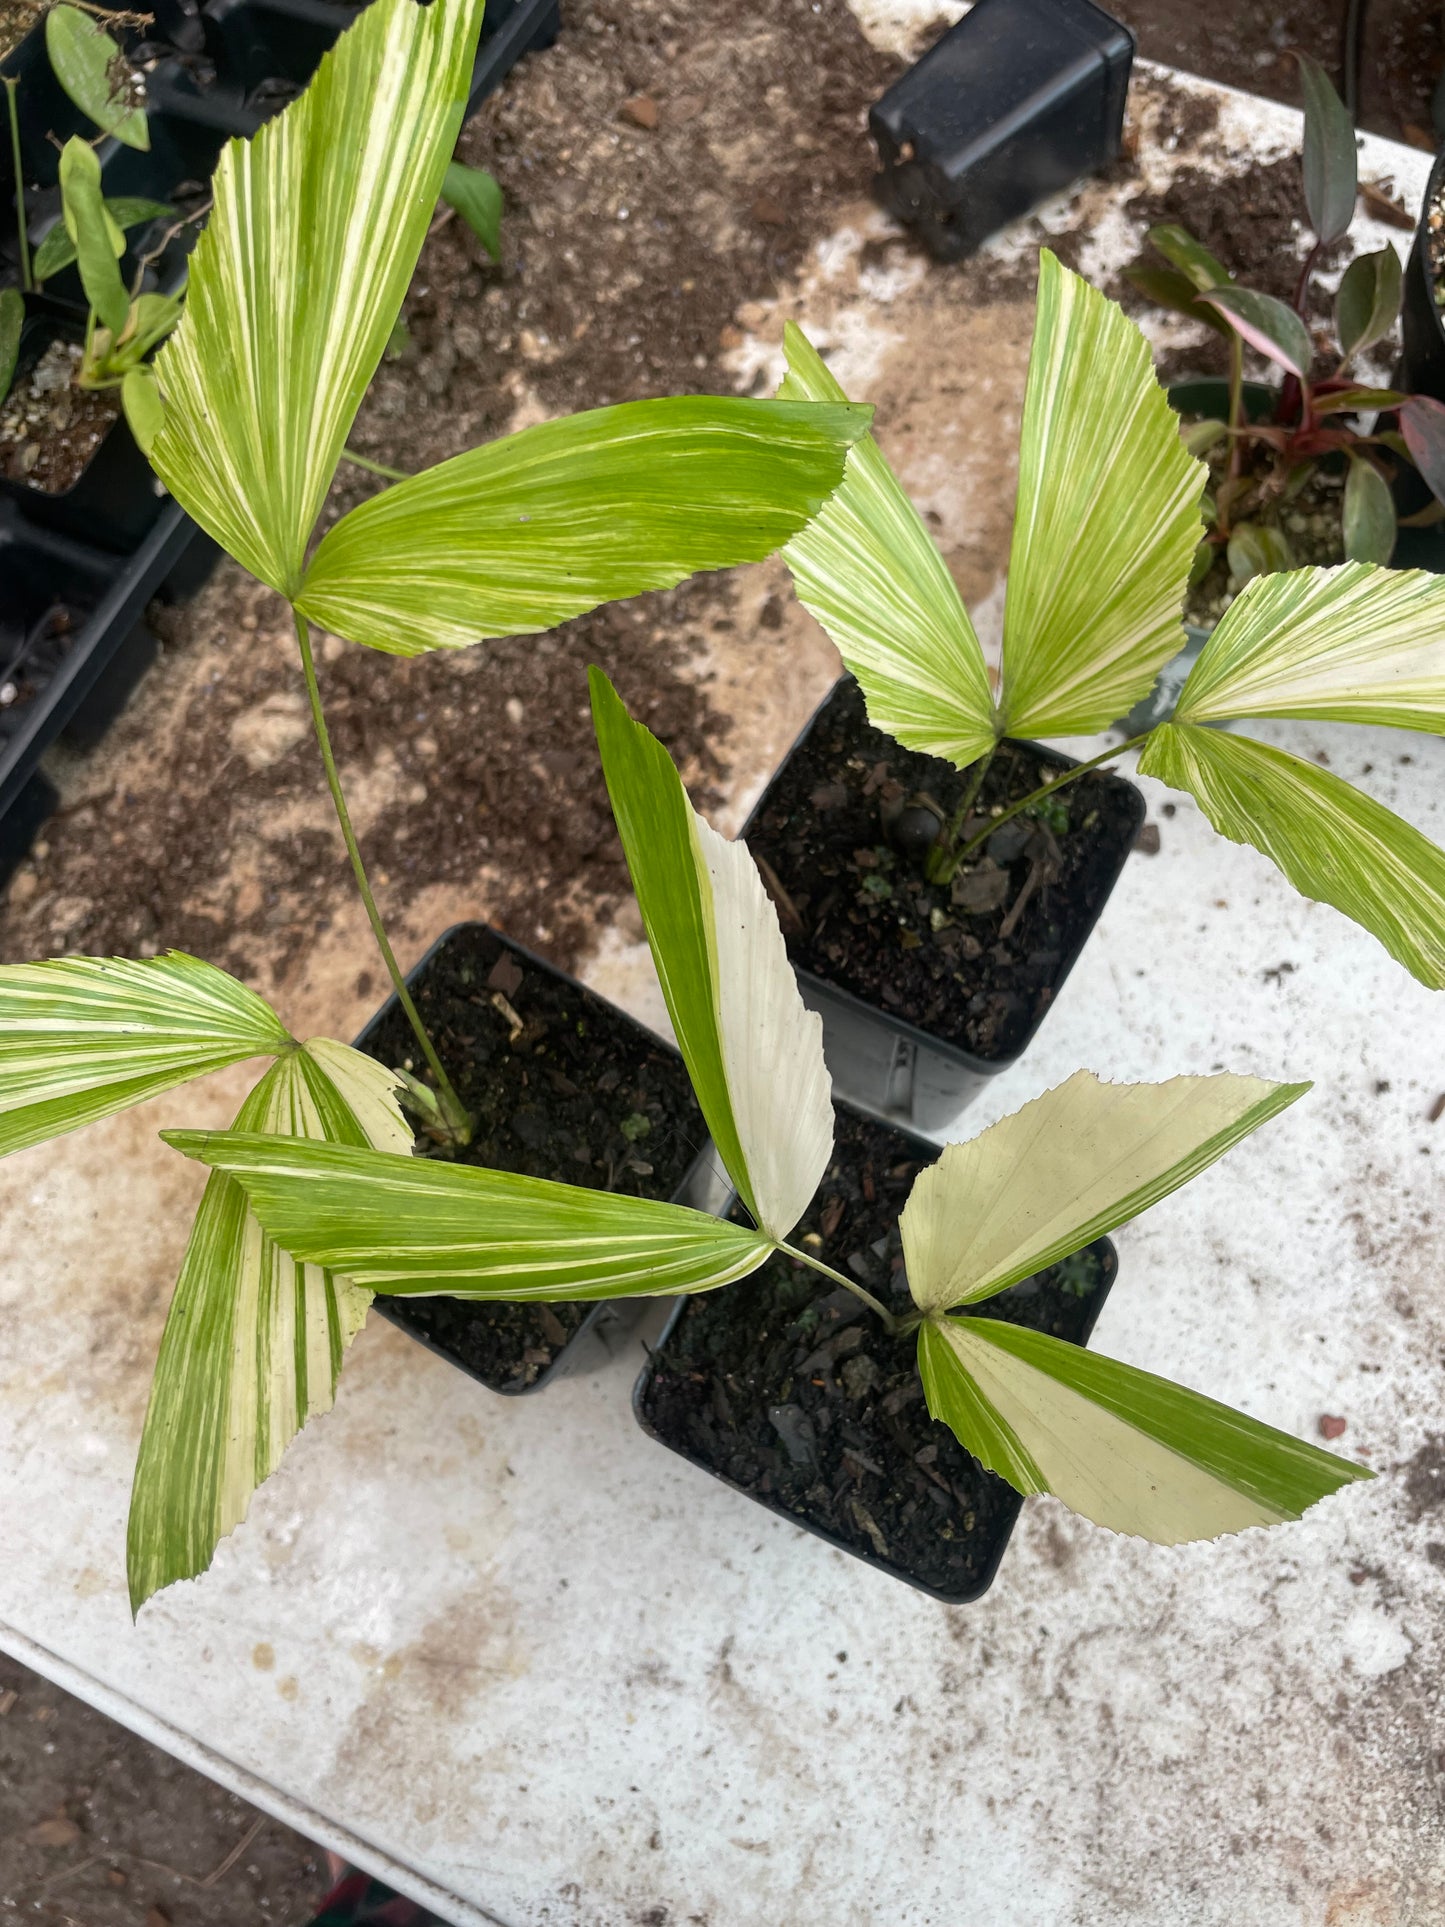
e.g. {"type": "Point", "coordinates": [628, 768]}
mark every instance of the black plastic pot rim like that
{"type": "Point", "coordinates": [877, 1015]}
{"type": "Point", "coordinates": [604, 1311]}
{"type": "Point", "coordinates": [1109, 1265]}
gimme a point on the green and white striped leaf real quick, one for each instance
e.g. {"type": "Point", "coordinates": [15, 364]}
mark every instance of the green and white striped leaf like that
{"type": "Point", "coordinates": [1333, 842]}
{"type": "Point", "coordinates": [1355, 644]}
{"type": "Point", "coordinates": [870, 572]}
{"type": "Point", "coordinates": [410, 1225]}
{"type": "Point", "coordinates": [299, 276]}
{"type": "Point", "coordinates": [84, 1037]}
{"type": "Point", "coordinates": [1062, 1171]}
{"type": "Point", "coordinates": [83, 57]}
{"type": "Point", "coordinates": [253, 1342]}
{"type": "Point", "coordinates": [522, 533]}
{"type": "Point", "coordinates": [1107, 520]}
{"type": "Point", "coordinates": [753, 1050]}
{"type": "Point", "coordinates": [1119, 1446]}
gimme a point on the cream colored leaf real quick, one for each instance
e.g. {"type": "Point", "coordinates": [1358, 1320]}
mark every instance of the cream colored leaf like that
{"type": "Point", "coordinates": [1063, 1170]}
{"type": "Point", "coordinates": [753, 1051]}
{"type": "Point", "coordinates": [1356, 644]}
{"type": "Point", "coordinates": [1106, 524]}
{"type": "Point", "coordinates": [297, 280]}
{"type": "Point", "coordinates": [253, 1342]}
{"type": "Point", "coordinates": [1122, 1447]}
{"type": "Point", "coordinates": [871, 573]}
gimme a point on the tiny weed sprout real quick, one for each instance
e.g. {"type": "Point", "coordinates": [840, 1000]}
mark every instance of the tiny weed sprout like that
{"type": "Point", "coordinates": [1105, 531]}
{"type": "Point", "coordinates": [1271, 445]}
{"type": "Point", "coordinates": [1120, 1446]}
{"type": "Point", "coordinates": [295, 288]}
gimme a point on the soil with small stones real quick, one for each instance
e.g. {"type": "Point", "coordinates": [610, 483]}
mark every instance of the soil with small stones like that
{"type": "Point", "coordinates": [98, 1826]}
{"type": "Point", "coordinates": [1435, 243]}
{"type": "Point", "coordinates": [796, 1394]}
{"type": "Point", "coordinates": [1310, 522]}
{"type": "Point", "coordinates": [1253, 48]}
{"type": "Point", "coordinates": [627, 251]}
{"type": "Point", "coordinates": [50, 427]}
{"type": "Point", "coordinates": [976, 962]}
{"type": "Point", "coordinates": [17, 17]}
{"type": "Point", "coordinates": [562, 1085]}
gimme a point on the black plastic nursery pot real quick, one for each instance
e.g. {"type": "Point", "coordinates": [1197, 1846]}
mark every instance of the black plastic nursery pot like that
{"type": "Point", "coordinates": [73, 645]}
{"type": "Point", "coordinates": [1013, 104]}
{"type": "Point", "coordinates": [927, 990]}
{"type": "Point", "coordinates": [564, 1085]}
{"type": "Point", "coordinates": [794, 1394]}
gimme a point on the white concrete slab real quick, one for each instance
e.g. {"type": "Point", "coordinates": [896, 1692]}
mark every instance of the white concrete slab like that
{"type": "Point", "coordinates": [544, 1674]}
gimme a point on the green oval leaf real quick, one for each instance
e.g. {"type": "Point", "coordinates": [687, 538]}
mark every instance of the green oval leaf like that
{"type": "Point", "coordinates": [1200, 268]}
{"type": "Point", "coordinates": [1369, 513]}
{"type": "Point", "coordinates": [1266, 324]}
{"type": "Point", "coordinates": [1368, 300]}
{"type": "Point", "coordinates": [1256, 549]}
{"type": "Point", "coordinates": [1329, 155]}
{"type": "Point", "coordinates": [88, 63]}
{"type": "Point", "coordinates": [475, 195]}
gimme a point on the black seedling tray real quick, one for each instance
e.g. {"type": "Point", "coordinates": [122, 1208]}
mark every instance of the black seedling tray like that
{"type": "Point", "coordinates": [77, 570]}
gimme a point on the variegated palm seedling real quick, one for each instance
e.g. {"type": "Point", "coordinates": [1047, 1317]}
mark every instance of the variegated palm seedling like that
{"type": "Point", "coordinates": [1123, 1447]}
{"type": "Point", "coordinates": [1105, 529]}
{"type": "Point", "coordinates": [294, 290]}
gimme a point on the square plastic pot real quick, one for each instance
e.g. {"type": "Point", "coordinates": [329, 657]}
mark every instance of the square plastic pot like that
{"type": "Point", "coordinates": [388, 1038]}
{"type": "Point", "coordinates": [880, 1060]}
{"type": "Point", "coordinates": [683, 1375]}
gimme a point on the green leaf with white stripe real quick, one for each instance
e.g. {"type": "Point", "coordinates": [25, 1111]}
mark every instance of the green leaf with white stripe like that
{"type": "Point", "coordinates": [522, 533]}
{"type": "Point", "coordinates": [1062, 1171]}
{"type": "Point", "coordinates": [1333, 842]}
{"type": "Point", "coordinates": [84, 1037]}
{"type": "Point", "coordinates": [254, 1341]}
{"type": "Point", "coordinates": [871, 573]}
{"type": "Point", "coordinates": [752, 1049]}
{"type": "Point", "coordinates": [299, 276]}
{"type": "Point", "coordinates": [412, 1225]}
{"type": "Point", "coordinates": [1355, 644]}
{"type": "Point", "coordinates": [1119, 1446]}
{"type": "Point", "coordinates": [1106, 524]}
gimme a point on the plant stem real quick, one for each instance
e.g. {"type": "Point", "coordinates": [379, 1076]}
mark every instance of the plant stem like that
{"type": "Point", "coordinates": [453, 1112]}
{"type": "Point", "coordinates": [945, 849]}
{"type": "Point", "coordinates": [1047, 789]}
{"type": "Point", "coordinates": [374, 468]}
{"type": "Point", "coordinates": [27, 280]}
{"type": "Point", "coordinates": [891, 1322]}
{"type": "Point", "coordinates": [1236, 416]}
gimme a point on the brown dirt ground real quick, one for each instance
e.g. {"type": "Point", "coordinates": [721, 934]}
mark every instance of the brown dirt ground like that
{"type": "Point", "coordinates": [1252, 47]}
{"type": "Point", "coordinates": [99, 1828]}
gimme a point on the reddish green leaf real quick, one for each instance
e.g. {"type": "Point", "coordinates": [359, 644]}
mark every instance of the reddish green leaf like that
{"type": "Point", "coordinates": [1329, 154]}
{"type": "Point", "coordinates": [1266, 324]}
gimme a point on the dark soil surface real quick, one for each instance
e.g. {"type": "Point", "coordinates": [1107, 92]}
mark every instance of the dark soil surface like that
{"type": "Point", "coordinates": [50, 427]}
{"type": "Point", "coordinates": [1251, 47]}
{"type": "Point", "coordinates": [99, 1827]}
{"type": "Point", "coordinates": [795, 1394]}
{"type": "Point", "coordinates": [976, 962]}
{"type": "Point", "coordinates": [563, 1085]}
{"type": "Point", "coordinates": [17, 17]}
